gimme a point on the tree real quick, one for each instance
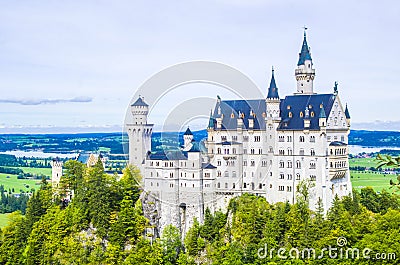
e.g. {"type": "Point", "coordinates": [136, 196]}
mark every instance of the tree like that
{"type": "Point", "coordinates": [145, 253]}
{"type": "Point", "coordinates": [171, 244]}
{"type": "Point", "coordinates": [38, 204]}
{"type": "Point", "coordinates": [13, 240]}
{"type": "Point", "coordinates": [389, 161]}
{"type": "Point", "coordinates": [73, 176]}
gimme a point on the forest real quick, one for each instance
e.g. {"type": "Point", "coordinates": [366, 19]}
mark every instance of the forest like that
{"type": "Point", "coordinates": [104, 224]}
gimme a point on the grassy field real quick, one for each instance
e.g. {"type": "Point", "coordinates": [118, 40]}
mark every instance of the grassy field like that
{"type": "Point", "coordinates": [11, 181]}
{"type": "Point", "coordinates": [4, 219]}
{"type": "Point", "coordinates": [32, 170]}
{"type": "Point", "coordinates": [363, 162]}
{"type": "Point", "coordinates": [377, 181]}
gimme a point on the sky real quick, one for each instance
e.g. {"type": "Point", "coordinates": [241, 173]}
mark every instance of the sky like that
{"type": "Point", "coordinates": [73, 66]}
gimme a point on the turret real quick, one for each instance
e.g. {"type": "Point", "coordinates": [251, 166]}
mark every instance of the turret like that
{"type": "Point", "coordinates": [347, 114]}
{"type": "Point", "coordinates": [273, 101]}
{"type": "Point", "coordinates": [56, 172]}
{"type": "Point", "coordinates": [211, 121]}
{"type": "Point", "coordinates": [139, 133]}
{"type": "Point", "coordinates": [187, 138]}
{"type": "Point", "coordinates": [139, 111]}
{"type": "Point", "coordinates": [305, 73]}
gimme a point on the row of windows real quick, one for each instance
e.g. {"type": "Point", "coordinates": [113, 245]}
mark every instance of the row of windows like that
{"type": "Point", "coordinates": [168, 164]}
{"type": "Point", "coordinates": [245, 185]}
{"type": "Point", "coordinates": [339, 164]}
{"type": "Point", "coordinates": [289, 164]}
{"type": "Point", "coordinates": [171, 175]}
{"type": "Point", "coordinates": [290, 152]}
{"type": "Point", "coordinates": [335, 138]}
{"type": "Point", "coordinates": [282, 188]}
{"type": "Point", "coordinates": [257, 138]}
{"type": "Point", "coordinates": [226, 151]}
{"type": "Point", "coordinates": [289, 176]}
{"type": "Point", "coordinates": [339, 151]}
{"type": "Point", "coordinates": [298, 164]}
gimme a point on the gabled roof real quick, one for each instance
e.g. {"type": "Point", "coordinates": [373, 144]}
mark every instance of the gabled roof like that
{"type": "Point", "coordinates": [188, 132]}
{"type": "Point", "coordinates": [231, 109]}
{"type": "Point", "coordinates": [291, 107]}
{"type": "Point", "coordinates": [272, 90]}
{"type": "Point", "coordinates": [305, 52]}
{"type": "Point", "coordinates": [139, 102]}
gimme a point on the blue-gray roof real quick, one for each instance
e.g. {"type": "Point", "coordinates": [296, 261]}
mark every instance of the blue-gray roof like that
{"type": "Point", "coordinates": [169, 155]}
{"type": "Point", "coordinates": [336, 143]}
{"type": "Point", "coordinates": [211, 121]}
{"type": "Point", "coordinates": [83, 158]}
{"type": "Point", "coordinates": [305, 52]}
{"type": "Point", "coordinates": [230, 110]}
{"type": "Point", "coordinates": [208, 166]}
{"type": "Point", "coordinates": [188, 132]}
{"type": "Point", "coordinates": [139, 102]}
{"type": "Point", "coordinates": [273, 89]}
{"type": "Point", "coordinates": [291, 107]}
{"type": "Point", "coordinates": [195, 147]}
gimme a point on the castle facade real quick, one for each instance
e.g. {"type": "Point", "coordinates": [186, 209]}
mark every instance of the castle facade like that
{"type": "Point", "coordinates": [266, 147]}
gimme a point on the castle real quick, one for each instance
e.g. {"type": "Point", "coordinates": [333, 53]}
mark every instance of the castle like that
{"type": "Point", "coordinates": [261, 146]}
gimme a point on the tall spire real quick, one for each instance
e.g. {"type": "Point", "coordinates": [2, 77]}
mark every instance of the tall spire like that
{"type": "Point", "coordinates": [322, 114]}
{"type": "Point", "coordinates": [346, 112]}
{"type": "Point", "coordinates": [305, 73]}
{"type": "Point", "coordinates": [305, 51]}
{"type": "Point", "coordinates": [273, 90]}
{"type": "Point", "coordinates": [211, 121]}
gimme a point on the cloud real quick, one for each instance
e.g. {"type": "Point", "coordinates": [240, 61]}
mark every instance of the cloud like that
{"type": "Point", "coordinates": [46, 101]}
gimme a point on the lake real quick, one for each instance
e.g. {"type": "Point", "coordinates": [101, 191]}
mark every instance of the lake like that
{"type": "Point", "coordinates": [357, 149]}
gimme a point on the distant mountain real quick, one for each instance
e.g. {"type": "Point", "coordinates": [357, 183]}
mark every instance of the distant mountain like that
{"type": "Point", "coordinates": [377, 126]}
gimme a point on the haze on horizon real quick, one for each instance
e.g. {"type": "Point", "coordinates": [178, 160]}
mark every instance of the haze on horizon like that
{"type": "Point", "coordinates": [77, 64]}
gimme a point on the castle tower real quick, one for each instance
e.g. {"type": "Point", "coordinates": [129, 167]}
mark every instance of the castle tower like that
{"type": "Point", "coordinates": [187, 139]}
{"type": "Point", "coordinates": [139, 133]}
{"type": "Point", "coordinates": [56, 172]}
{"type": "Point", "coordinates": [273, 101]}
{"type": "Point", "coordinates": [305, 73]}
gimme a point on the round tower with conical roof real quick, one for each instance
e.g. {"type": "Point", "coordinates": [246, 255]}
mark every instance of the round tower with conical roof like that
{"type": "Point", "coordinates": [305, 73]}
{"type": "Point", "coordinates": [139, 133]}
